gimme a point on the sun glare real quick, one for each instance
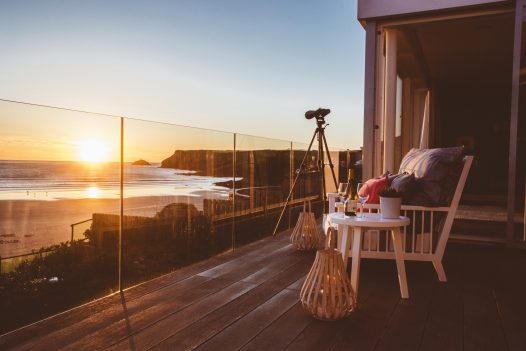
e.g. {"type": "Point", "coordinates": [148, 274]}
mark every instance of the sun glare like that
{"type": "Point", "coordinates": [93, 192]}
{"type": "Point", "coordinates": [93, 151]}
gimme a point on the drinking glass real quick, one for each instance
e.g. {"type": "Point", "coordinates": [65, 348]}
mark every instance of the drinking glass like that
{"type": "Point", "coordinates": [343, 191]}
{"type": "Point", "coordinates": [362, 199]}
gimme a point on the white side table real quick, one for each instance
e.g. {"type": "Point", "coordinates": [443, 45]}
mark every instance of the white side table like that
{"type": "Point", "coordinates": [360, 225]}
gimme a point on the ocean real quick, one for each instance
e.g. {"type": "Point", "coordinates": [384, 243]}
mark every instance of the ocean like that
{"type": "Point", "coordinates": [41, 200]}
{"type": "Point", "coordinates": [56, 180]}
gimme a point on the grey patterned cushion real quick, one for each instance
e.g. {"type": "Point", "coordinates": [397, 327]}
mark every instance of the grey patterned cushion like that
{"type": "Point", "coordinates": [403, 182]}
{"type": "Point", "coordinates": [430, 163]}
{"type": "Point", "coordinates": [432, 171]}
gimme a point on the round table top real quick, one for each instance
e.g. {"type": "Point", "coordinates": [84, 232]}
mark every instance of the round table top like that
{"type": "Point", "coordinates": [368, 220]}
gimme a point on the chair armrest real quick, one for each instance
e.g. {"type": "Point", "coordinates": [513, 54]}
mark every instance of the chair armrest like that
{"type": "Point", "coordinates": [413, 208]}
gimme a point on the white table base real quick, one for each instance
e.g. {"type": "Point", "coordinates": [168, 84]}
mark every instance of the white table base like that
{"type": "Point", "coordinates": [344, 245]}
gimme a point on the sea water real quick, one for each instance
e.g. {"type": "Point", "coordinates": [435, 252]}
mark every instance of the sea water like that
{"type": "Point", "coordinates": [56, 180]}
{"type": "Point", "coordinates": [41, 202]}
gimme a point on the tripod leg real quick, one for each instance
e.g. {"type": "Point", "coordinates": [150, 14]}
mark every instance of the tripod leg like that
{"type": "Point", "coordinates": [330, 161]}
{"type": "Point", "coordinates": [321, 167]}
{"type": "Point", "coordinates": [294, 183]}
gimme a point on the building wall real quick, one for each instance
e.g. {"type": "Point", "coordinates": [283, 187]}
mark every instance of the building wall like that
{"type": "Point", "coordinates": [382, 8]}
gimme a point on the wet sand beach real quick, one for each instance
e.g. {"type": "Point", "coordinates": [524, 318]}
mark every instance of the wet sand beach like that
{"type": "Point", "coordinates": [27, 225]}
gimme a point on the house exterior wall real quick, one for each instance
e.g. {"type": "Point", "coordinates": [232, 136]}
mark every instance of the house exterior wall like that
{"type": "Point", "coordinates": [383, 8]}
{"type": "Point", "coordinates": [373, 14]}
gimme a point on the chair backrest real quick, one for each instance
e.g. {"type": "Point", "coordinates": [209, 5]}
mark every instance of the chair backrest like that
{"type": "Point", "coordinates": [446, 229]}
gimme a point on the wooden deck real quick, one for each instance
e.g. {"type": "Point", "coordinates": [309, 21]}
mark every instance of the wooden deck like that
{"type": "Point", "coordinates": [248, 300]}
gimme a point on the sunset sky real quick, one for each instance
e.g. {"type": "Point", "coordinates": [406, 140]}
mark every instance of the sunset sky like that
{"type": "Point", "coordinates": [249, 67]}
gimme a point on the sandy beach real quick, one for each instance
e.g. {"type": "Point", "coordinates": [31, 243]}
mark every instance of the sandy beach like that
{"type": "Point", "coordinates": [27, 225]}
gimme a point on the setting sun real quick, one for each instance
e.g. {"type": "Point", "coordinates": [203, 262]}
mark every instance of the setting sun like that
{"type": "Point", "coordinates": [92, 192]}
{"type": "Point", "coordinates": [93, 151]}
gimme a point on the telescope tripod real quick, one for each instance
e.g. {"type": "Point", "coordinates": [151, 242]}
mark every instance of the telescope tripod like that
{"type": "Point", "coordinates": [319, 134]}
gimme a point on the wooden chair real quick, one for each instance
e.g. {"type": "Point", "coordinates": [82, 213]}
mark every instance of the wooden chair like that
{"type": "Point", "coordinates": [424, 240]}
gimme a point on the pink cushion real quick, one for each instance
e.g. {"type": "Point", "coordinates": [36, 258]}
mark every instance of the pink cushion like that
{"type": "Point", "coordinates": [372, 187]}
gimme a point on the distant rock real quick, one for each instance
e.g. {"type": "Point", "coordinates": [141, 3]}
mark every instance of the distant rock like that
{"type": "Point", "coordinates": [141, 163]}
{"type": "Point", "coordinates": [213, 163]}
{"type": "Point", "coordinates": [177, 210]}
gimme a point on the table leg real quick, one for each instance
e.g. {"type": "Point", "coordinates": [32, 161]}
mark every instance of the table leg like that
{"type": "Point", "coordinates": [340, 238]}
{"type": "Point", "coordinates": [400, 265]}
{"type": "Point", "coordinates": [355, 269]}
{"type": "Point", "coordinates": [346, 244]}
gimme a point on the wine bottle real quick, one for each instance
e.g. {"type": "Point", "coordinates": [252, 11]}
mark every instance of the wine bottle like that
{"type": "Point", "coordinates": [352, 185]}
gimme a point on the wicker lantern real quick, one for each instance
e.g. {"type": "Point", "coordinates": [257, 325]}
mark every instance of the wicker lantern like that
{"type": "Point", "coordinates": [327, 293]}
{"type": "Point", "coordinates": [306, 234]}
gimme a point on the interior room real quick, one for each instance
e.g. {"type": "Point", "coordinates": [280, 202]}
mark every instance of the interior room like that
{"type": "Point", "coordinates": [466, 65]}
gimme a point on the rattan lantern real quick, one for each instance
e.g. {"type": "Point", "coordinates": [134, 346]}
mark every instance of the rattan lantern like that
{"type": "Point", "coordinates": [306, 234]}
{"type": "Point", "coordinates": [327, 293]}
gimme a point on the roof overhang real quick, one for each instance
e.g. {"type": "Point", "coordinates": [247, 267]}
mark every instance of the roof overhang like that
{"type": "Point", "coordinates": [369, 9]}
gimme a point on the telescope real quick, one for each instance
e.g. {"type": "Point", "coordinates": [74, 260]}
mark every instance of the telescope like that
{"type": "Point", "coordinates": [323, 149]}
{"type": "Point", "coordinates": [318, 114]}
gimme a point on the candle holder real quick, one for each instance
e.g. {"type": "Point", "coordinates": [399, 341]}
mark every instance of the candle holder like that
{"type": "Point", "coordinates": [306, 234]}
{"type": "Point", "coordinates": [327, 293]}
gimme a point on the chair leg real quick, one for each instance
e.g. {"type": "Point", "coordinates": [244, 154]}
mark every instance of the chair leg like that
{"type": "Point", "coordinates": [439, 268]}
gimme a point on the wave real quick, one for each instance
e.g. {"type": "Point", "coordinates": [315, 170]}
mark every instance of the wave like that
{"type": "Point", "coordinates": [59, 176]}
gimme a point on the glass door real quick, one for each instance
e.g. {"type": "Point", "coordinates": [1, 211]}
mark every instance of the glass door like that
{"type": "Point", "coordinates": [519, 213]}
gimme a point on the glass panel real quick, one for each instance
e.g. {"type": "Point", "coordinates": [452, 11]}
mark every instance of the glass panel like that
{"type": "Point", "coordinates": [473, 110]}
{"type": "Point", "coordinates": [334, 156]}
{"type": "Point", "coordinates": [398, 124]}
{"type": "Point", "coordinates": [339, 159]}
{"type": "Point", "coordinates": [347, 168]}
{"type": "Point", "coordinates": [262, 185]}
{"type": "Point", "coordinates": [355, 163]}
{"type": "Point", "coordinates": [308, 186]}
{"type": "Point", "coordinates": [58, 169]}
{"type": "Point", "coordinates": [520, 201]}
{"type": "Point", "coordinates": [177, 197]}
{"type": "Point", "coordinates": [350, 170]}
{"type": "Point", "coordinates": [399, 94]}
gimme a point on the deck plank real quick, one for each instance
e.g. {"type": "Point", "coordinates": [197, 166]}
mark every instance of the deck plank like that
{"type": "Point", "coordinates": [361, 331]}
{"type": "Point", "coordinates": [277, 265]}
{"type": "Point", "coordinates": [249, 300]}
{"type": "Point", "coordinates": [510, 294]}
{"type": "Point", "coordinates": [243, 330]}
{"type": "Point", "coordinates": [406, 325]}
{"type": "Point", "coordinates": [206, 328]}
{"type": "Point", "coordinates": [174, 301]}
{"type": "Point", "coordinates": [44, 329]}
{"type": "Point", "coordinates": [171, 324]}
{"type": "Point", "coordinates": [444, 327]}
{"type": "Point", "coordinates": [228, 266]}
{"type": "Point", "coordinates": [118, 315]}
{"type": "Point", "coordinates": [297, 284]}
{"type": "Point", "coordinates": [281, 333]}
{"type": "Point", "coordinates": [134, 322]}
{"type": "Point", "coordinates": [320, 335]}
{"type": "Point", "coordinates": [162, 329]}
{"type": "Point", "coordinates": [483, 329]}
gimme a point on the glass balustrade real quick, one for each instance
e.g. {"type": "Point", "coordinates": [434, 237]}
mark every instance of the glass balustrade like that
{"type": "Point", "coordinates": [58, 169]}
{"type": "Point", "coordinates": [262, 185]}
{"type": "Point", "coordinates": [77, 224]}
{"type": "Point", "coordinates": [177, 197]}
